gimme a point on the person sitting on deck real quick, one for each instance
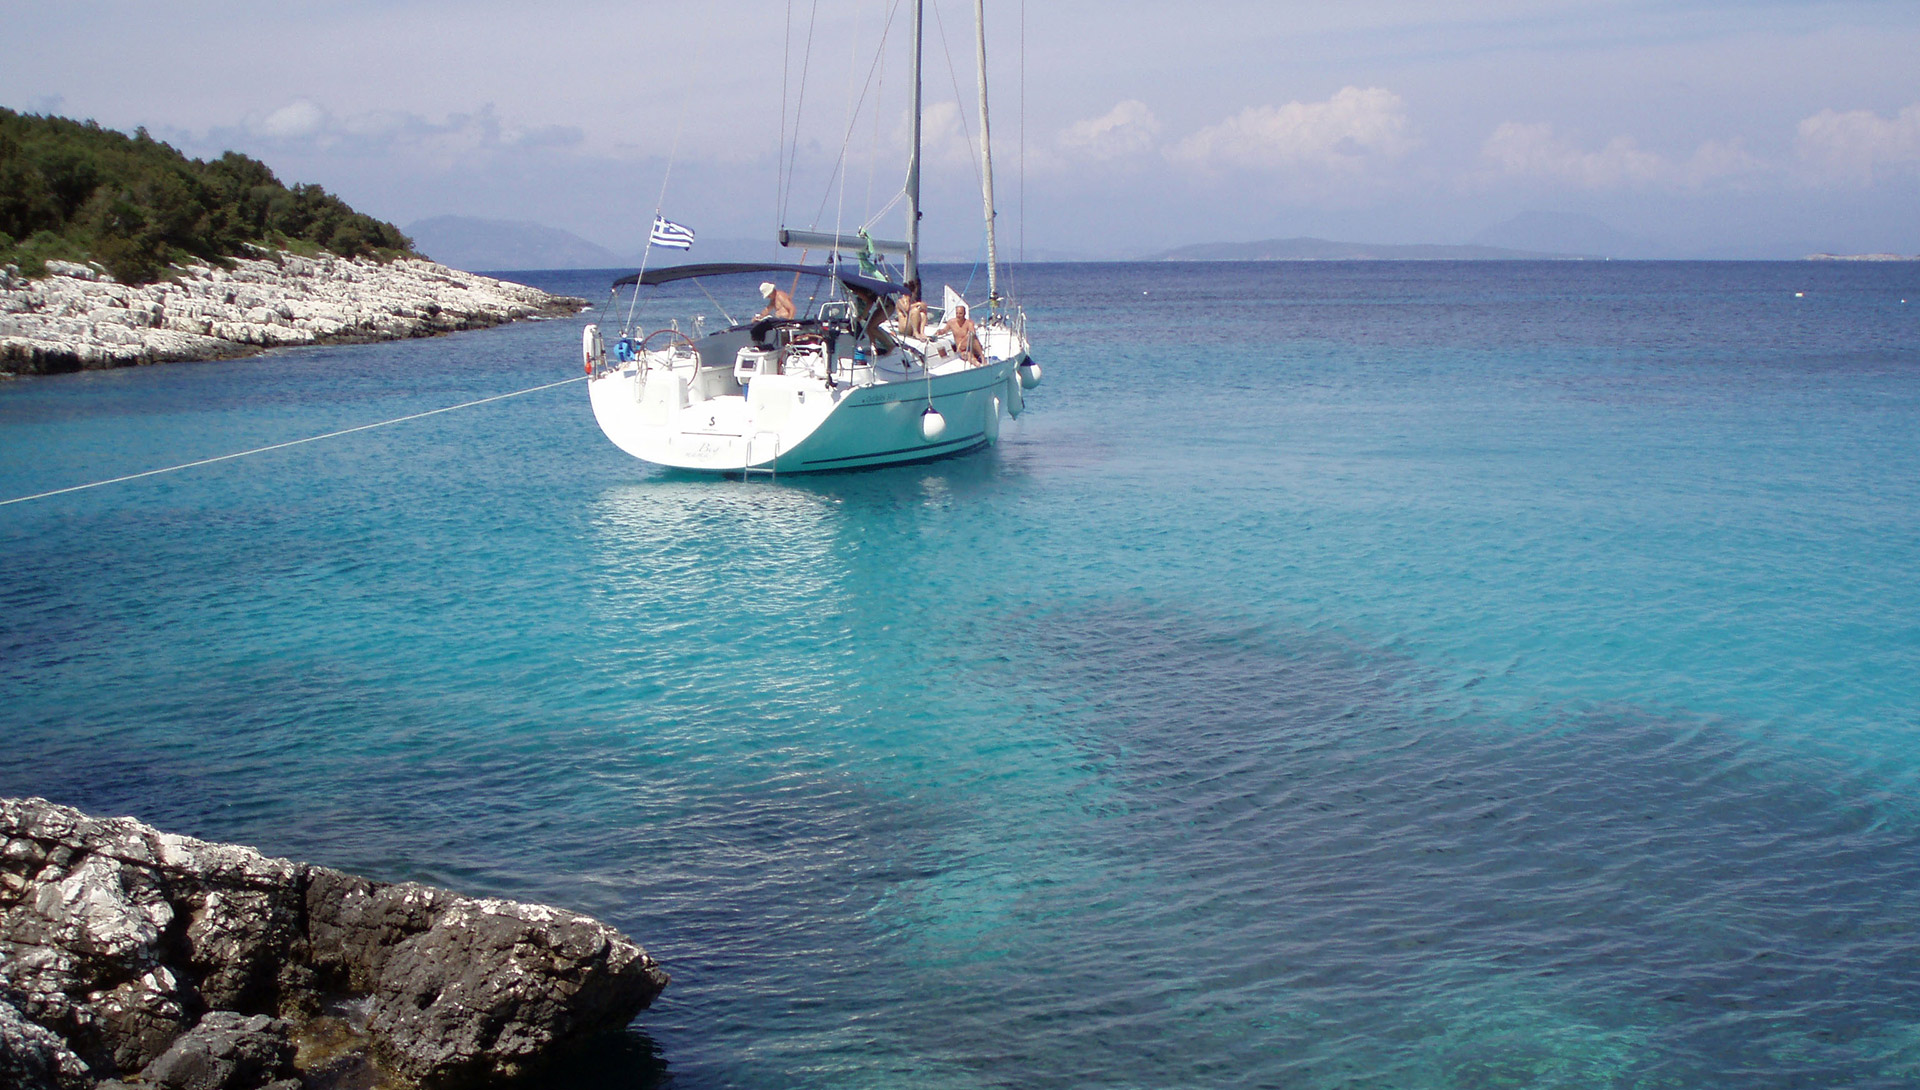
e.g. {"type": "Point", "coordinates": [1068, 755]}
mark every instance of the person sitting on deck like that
{"type": "Point", "coordinates": [779, 303]}
{"type": "Point", "coordinates": [966, 340]}
{"type": "Point", "coordinates": [909, 313]}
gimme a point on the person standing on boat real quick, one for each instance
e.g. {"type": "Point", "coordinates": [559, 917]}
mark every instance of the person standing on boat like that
{"type": "Point", "coordinates": [966, 340]}
{"type": "Point", "coordinates": [868, 313]}
{"type": "Point", "coordinates": [779, 303]}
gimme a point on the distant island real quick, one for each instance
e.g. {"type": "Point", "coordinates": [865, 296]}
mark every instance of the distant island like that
{"type": "Point", "coordinates": [467, 242]}
{"type": "Point", "coordinates": [1320, 249]}
{"type": "Point", "coordinates": [1863, 257]}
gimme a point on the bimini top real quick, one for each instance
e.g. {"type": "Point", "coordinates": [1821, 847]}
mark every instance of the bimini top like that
{"type": "Point", "coordinates": [692, 272]}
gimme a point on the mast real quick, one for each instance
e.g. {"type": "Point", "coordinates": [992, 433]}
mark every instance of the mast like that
{"type": "Point", "coordinates": [913, 154]}
{"type": "Point", "coordinates": [986, 154]}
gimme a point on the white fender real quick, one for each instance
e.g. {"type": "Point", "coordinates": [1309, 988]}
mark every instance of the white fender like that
{"type": "Point", "coordinates": [592, 349]}
{"type": "Point", "coordinates": [1015, 399]}
{"type": "Point", "coordinates": [932, 424]}
{"type": "Point", "coordinates": [993, 420]}
{"type": "Point", "coordinates": [1029, 373]}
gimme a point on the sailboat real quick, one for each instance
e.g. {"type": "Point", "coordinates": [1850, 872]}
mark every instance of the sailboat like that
{"type": "Point", "coordinates": [850, 379]}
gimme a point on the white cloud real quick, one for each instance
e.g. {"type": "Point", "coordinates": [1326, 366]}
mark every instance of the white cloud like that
{"type": "Point", "coordinates": [377, 133]}
{"type": "Point", "coordinates": [947, 137]}
{"type": "Point", "coordinates": [1533, 150]}
{"type": "Point", "coordinates": [1124, 132]}
{"type": "Point", "coordinates": [1856, 145]}
{"type": "Point", "coordinates": [293, 121]}
{"type": "Point", "coordinates": [1356, 127]}
{"type": "Point", "coordinates": [1720, 159]}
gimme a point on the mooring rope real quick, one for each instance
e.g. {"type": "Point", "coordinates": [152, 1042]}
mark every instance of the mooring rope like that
{"type": "Point", "coordinates": [290, 443]}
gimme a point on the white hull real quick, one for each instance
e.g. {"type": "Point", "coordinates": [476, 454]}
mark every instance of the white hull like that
{"type": "Point", "coordinates": [777, 395]}
{"type": "Point", "coordinates": [664, 409]}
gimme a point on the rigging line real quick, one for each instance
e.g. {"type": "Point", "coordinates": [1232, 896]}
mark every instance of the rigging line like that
{"type": "Point", "coordinates": [673, 155]}
{"type": "Point", "coordinates": [1020, 195]}
{"type": "Point", "coordinates": [959, 102]}
{"type": "Point", "coordinates": [290, 443]}
{"type": "Point", "coordinates": [799, 105]}
{"type": "Point", "coordinates": [879, 92]}
{"type": "Point", "coordinates": [847, 141]}
{"type": "Point", "coordinates": [853, 115]}
{"type": "Point", "coordinates": [884, 209]}
{"type": "Point", "coordinates": [715, 302]}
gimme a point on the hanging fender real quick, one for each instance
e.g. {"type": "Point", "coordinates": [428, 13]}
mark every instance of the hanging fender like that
{"type": "Point", "coordinates": [932, 424]}
{"type": "Point", "coordinates": [1029, 370]}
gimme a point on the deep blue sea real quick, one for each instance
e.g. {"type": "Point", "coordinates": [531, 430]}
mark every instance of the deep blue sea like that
{"type": "Point", "coordinates": [1344, 675]}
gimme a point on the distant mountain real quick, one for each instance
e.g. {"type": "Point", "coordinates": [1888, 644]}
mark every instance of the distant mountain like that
{"type": "Point", "coordinates": [484, 245]}
{"type": "Point", "coordinates": [1320, 249]}
{"type": "Point", "coordinates": [487, 245]}
{"type": "Point", "coordinates": [725, 248]}
{"type": "Point", "coordinates": [1568, 232]}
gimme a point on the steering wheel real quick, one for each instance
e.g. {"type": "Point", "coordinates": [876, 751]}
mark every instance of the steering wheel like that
{"type": "Point", "coordinates": [671, 335]}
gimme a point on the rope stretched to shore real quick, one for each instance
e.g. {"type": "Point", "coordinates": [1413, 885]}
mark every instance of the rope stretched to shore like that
{"type": "Point", "coordinates": [289, 443]}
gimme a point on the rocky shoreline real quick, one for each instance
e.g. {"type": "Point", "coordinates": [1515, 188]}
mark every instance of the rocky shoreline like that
{"type": "Point", "coordinates": [79, 318]}
{"type": "Point", "coordinates": [128, 953]}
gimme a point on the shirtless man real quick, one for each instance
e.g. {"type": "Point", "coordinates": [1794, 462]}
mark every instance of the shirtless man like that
{"type": "Point", "coordinates": [965, 339]}
{"type": "Point", "coordinates": [779, 303]}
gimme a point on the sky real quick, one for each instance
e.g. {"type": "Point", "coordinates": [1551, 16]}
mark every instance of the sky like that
{"type": "Point", "coordinates": [1698, 128]}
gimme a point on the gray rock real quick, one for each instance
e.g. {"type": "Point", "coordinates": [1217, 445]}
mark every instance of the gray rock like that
{"type": "Point", "coordinates": [79, 318]}
{"type": "Point", "coordinates": [493, 986]}
{"type": "Point", "coordinates": [33, 1057]}
{"type": "Point", "coordinates": [116, 938]}
{"type": "Point", "coordinates": [468, 990]}
{"type": "Point", "coordinates": [226, 1051]}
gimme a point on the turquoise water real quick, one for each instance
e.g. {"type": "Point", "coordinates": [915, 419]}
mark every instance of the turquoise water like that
{"type": "Point", "coordinates": [1366, 675]}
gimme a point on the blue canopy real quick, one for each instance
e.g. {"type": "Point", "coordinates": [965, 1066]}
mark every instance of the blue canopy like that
{"type": "Point", "coordinates": [693, 272]}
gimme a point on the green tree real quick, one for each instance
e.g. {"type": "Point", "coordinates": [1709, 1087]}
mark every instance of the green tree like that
{"type": "Point", "coordinates": [136, 205]}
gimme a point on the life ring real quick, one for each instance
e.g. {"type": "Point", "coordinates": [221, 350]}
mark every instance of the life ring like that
{"type": "Point", "coordinates": [592, 348]}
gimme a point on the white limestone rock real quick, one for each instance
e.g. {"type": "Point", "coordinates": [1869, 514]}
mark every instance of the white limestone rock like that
{"type": "Point", "coordinates": [78, 318]}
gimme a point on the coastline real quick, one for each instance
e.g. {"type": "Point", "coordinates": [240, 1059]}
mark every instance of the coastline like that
{"type": "Point", "coordinates": [127, 952]}
{"type": "Point", "coordinates": [79, 318]}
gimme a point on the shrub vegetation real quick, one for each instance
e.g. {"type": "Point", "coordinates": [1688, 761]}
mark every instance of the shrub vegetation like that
{"type": "Point", "coordinates": [72, 190]}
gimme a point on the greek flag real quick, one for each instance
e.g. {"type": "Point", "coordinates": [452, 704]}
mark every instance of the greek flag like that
{"type": "Point", "coordinates": [670, 234]}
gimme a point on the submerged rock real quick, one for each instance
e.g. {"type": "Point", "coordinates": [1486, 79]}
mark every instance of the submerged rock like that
{"type": "Point", "coordinates": [125, 950]}
{"type": "Point", "coordinates": [80, 318]}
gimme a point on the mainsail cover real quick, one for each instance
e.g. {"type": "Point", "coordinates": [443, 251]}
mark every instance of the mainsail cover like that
{"type": "Point", "coordinates": [671, 273]}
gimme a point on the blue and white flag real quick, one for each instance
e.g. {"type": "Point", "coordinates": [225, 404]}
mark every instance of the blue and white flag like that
{"type": "Point", "coordinates": [670, 234]}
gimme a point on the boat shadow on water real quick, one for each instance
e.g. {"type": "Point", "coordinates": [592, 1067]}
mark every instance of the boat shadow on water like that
{"type": "Point", "coordinates": [981, 471]}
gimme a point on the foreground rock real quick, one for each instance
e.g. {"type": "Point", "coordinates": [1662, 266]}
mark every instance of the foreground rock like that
{"type": "Point", "coordinates": [128, 953]}
{"type": "Point", "coordinates": [79, 318]}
